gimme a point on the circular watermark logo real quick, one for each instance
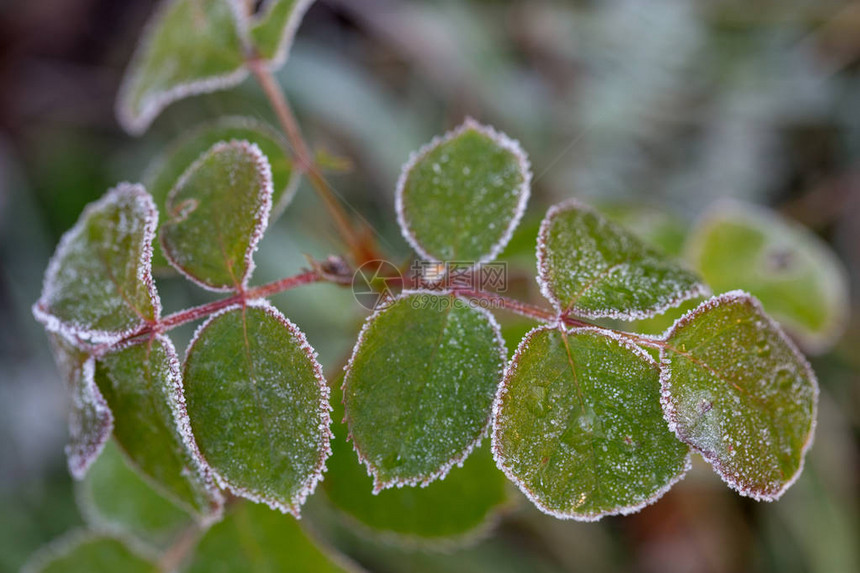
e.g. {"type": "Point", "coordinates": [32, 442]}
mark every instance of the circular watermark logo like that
{"type": "Point", "coordinates": [376, 284]}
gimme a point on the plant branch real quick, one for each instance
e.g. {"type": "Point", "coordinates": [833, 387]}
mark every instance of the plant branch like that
{"type": "Point", "coordinates": [545, 315]}
{"type": "Point", "coordinates": [172, 559]}
{"type": "Point", "coordinates": [305, 160]}
{"type": "Point", "coordinates": [181, 317]}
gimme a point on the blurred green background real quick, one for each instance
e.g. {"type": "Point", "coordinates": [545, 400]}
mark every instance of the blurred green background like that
{"type": "Point", "coordinates": [670, 104]}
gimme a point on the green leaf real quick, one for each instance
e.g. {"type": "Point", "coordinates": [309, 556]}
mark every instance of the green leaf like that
{"type": "Point", "coordinates": [578, 425]}
{"type": "Point", "coordinates": [254, 539]}
{"type": "Point", "coordinates": [737, 390]}
{"type": "Point", "coordinates": [98, 285]}
{"type": "Point", "coordinates": [258, 405]}
{"type": "Point", "coordinates": [90, 419]}
{"type": "Point", "coordinates": [794, 274]}
{"type": "Point", "coordinates": [114, 497]}
{"type": "Point", "coordinates": [164, 173]}
{"type": "Point", "coordinates": [142, 385]}
{"type": "Point", "coordinates": [458, 508]}
{"type": "Point", "coordinates": [419, 386]}
{"type": "Point", "coordinates": [461, 196]}
{"type": "Point", "coordinates": [655, 227]}
{"type": "Point", "coordinates": [274, 27]}
{"type": "Point", "coordinates": [217, 214]}
{"type": "Point", "coordinates": [188, 47]}
{"type": "Point", "coordinates": [589, 266]}
{"type": "Point", "coordinates": [88, 553]}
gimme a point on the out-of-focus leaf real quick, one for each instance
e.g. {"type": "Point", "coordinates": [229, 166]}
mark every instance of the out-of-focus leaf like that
{"type": "Point", "coordinates": [657, 228]}
{"type": "Point", "coordinates": [578, 425]}
{"type": "Point", "coordinates": [454, 509]}
{"type": "Point", "coordinates": [98, 286]}
{"type": "Point", "coordinates": [254, 539]}
{"type": "Point", "coordinates": [216, 216]}
{"type": "Point", "coordinates": [114, 497]}
{"type": "Point", "coordinates": [736, 389]}
{"type": "Point", "coordinates": [460, 197]}
{"type": "Point", "coordinates": [591, 267]}
{"type": "Point", "coordinates": [188, 47]}
{"type": "Point", "coordinates": [164, 173]}
{"type": "Point", "coordinates": [797, 278]}
{"type": "Point", "coordinates": [419, 386]}
{"type": "Point", "coordinates": [142, 386]}
{"type": "Point", "coordinates": [89, 553]}
{"type": "Point", "coordinates": [258, 405]}
{"type": "Point", "coordinates": [90, 419]}
{"type": "Point", "coordinates": [274, 27]}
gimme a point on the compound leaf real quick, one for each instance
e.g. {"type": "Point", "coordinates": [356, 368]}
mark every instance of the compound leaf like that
{"type": "Point", "coordinates": [274, 27]}
{"type": "Point", "coordinates": [254, 539]}
{"type": "Point", "coordinates": [457, 508]}
{"type": "Point", "coordinates": [797, 278]}
{"type": "Point", "coordinates": [258, 405]}
{"type": "Point", "coordinates": [90, 419]}
{"type": "Point", "coordinates": [591, 267]}
{"type": "Point", "coordinates": [89, 553]}
{"type": "Point", "coordinates": [216, 216]}
{"type": "Point", "coordinates": [188, 47]}
{"type": "Point", "coordinates": [460, 197]}
{"type": "Point", "coordinates": [141, 383]}
{"type": "Point", "coordinates": [419, 386]}
{"type": "Point", "coordinates": [98, 285]}
{"type": "Point", "coordinates": [578, 425]}
{"type": "Point", "coordinates": [737, 390]}
{"type": "Point", "coordinates": [164, 173]}
{"type": "Point", "coordinates": [114, 497]}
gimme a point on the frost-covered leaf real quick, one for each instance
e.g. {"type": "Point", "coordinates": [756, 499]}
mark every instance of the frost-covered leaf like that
{"type": "Point", "coordinates": [458, 508]}
{"type": "Point", "coordinates": [258, 405]}
{"type": "Point", "coordinates": [274, 27]}
{"type": "Point", "coordinates": [188, 47]}
{"type": "Point", "coordinates": [89, 553]}
{"type": "Point", "coordinates": [98, 286]}
{"type": "Point", "coordinates": [797, 278]}
{"type": "Point", "coordinates": [90, 419]}
{"type": "Point", "coordinates": [737, 390]}
{"type": "Point", "coordinates": [578, 425]}
{"type": "Point", "coordinates": [591, 267]}
{"type": "Point", "coordinates": [254, 539]}
{"type": "Point", "coordinates": [461, 196]}
{"type": "Point", "coordinates": [419, 386]}
{"type": "Point", "coordinates": [141, 383]}
{"type": "Point", "coordinates": [655, 227]}
{"type": "Point", "coordinates": [216, 216]}
{"type": "Point", "coordinates": [114, 497]}
{"type": "Point", "coordinates": [165, 171]}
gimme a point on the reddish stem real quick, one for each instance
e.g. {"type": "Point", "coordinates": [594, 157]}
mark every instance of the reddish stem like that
{"type": "Point", "coordinates": [544, 315]}
{"type": "Point", "coordinates": [305, 162]}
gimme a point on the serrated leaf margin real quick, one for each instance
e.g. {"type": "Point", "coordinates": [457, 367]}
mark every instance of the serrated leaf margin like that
{"type": "Point", "coordinates": [261, 217]}
{"type": "Point", "coordinates": [669, 410]}
{"type": "Point", "coordinates": [79, 462]}
{"type": "Point", "coordinates": [457, 460]}
{"type": "Point", "coordinates": [497, 405]}
{"type": "Point", "coordinates": [144, 270]}
{"type": "Point", "coordinates": [176, 403]}
{"type": "Point", "coordinates": [698, 290]}
{"type": "Point", "coordinates": [502, 140]}
{"type": "Point", "coordinates": [294, 507]}
{"type": "Point", "coordinates": [230, 122]}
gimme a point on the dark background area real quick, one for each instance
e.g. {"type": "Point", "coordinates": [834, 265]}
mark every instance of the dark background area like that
{"type": "Point", "coordinates": [670, 103]}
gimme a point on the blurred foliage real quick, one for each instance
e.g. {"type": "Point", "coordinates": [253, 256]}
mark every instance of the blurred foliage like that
{"type": "Point", "coordinates": [666, 104]}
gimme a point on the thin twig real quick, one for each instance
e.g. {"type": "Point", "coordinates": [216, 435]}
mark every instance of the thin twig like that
{"type": "Point", "coordinates": [305, 160]}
